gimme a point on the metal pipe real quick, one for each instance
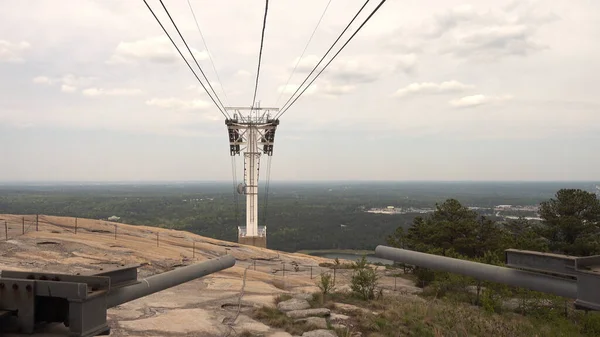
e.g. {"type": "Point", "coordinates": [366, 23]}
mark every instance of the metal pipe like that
{"type": "Point", "coordinates": [514, 277]}
{"type": "Point", "coordinates": [156, 283]}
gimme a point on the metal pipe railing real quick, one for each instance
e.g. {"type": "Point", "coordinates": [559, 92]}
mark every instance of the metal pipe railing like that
{"type": "Point", "coordinates": [518, 278]}
{"type": "Point", "coordinates": [166, 280]}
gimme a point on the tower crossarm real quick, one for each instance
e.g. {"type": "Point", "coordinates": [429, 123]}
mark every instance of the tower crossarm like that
{"type": "Point", "coordinates": [267, 138]}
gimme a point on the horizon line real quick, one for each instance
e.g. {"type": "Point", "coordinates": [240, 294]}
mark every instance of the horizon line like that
{"type": "Point", "coordinates": [133, 182]}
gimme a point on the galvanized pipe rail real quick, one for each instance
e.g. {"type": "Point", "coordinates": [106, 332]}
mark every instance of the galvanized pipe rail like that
{"type": "Point", "coordinates": [166, 280]}
{"type": "Point", "coordinates": [581, 279]}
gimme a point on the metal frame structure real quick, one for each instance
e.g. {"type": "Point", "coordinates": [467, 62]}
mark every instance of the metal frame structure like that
{"type": "Point", "coordinates": [30, 301]}
{"type": "Point", "coordinates": [567, 276]}
{"type": "Point", "coordinates": [253, 134]}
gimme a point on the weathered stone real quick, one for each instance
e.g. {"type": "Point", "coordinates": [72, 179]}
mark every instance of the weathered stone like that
{"type": "Point", "coordinates": [320, 312]}
{"type": "Point", "coordinates": [317, 322]}
{"type": "Point", "coordinates": [338, 317]}
{"type": "Point", "coordinates": [349, 307]}
{"type": "Point", "coordinates": [303, 296]}
{"type": "Point", "coordinates": [280, 334]}
{"type": "Point", "coordinates": [319, 333]}
{"type": "Point", "coordinates": [338, 326]}
{"type": "Point", "coordinates": [293, 304]}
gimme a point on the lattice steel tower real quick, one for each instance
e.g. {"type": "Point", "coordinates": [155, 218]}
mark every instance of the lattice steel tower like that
{"type": "Point", "coordinates": [253, 134]}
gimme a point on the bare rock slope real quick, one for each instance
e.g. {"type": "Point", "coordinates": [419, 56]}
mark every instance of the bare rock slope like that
{"type": "Point", "coordinates": [205, 307]}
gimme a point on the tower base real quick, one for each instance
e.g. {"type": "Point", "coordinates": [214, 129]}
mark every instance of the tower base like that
{"type": "Point", "coordinates": [256, 241]}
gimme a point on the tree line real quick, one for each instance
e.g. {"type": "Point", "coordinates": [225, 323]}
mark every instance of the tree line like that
{"type": "Point", "coordinates": [570, 225]}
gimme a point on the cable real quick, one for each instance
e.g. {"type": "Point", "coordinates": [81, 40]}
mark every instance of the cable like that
{"type": "Point", "coordinates": [334, 56]}
{"type": "Point", "coordinates": [207, 51]}
{"type": "Point", "coordinates": [304, 51]}
{"type": "Point", "coordinates": [185, 60]}
{"type": "Point", "coordinates": [235, 193]}
{"type": "Point", "coordinates": [330, 48]}
{"type": "Point", "coordinates": [262, 40]}
{"type": "Point", "coordinates": [192, 54]}
{"type": "Point", "coordinates": [267, 184]}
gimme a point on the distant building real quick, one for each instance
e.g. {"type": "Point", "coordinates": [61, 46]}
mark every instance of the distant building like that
{"type": "Point", "coordinates": [114, 218]}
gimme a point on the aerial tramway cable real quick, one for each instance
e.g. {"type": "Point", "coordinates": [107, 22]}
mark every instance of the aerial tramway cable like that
{"type": "Point", "coordinates": [303, 51]}
{"type": "Point", "coordinates": [323, 58]}
{"type": "Point", "coordinates": [194, 58]}
{"type": "Point", "coordinates": [235, 193]}
{"type": "Point", "coordinates": [262, 40]}
{"type": "Point", "coordinates": [334, 56]}
{"type": "Point", "coordinates": [208, 51]}
{"type": "Point", "coordinates": [236, 197]}
{"type": "Point", "coordinates": [267, 184]}
{"type": "Point", "coordinates": [224, 113]}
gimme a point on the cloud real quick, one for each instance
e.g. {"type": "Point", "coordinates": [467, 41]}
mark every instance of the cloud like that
{"type": "Point", "coordinates": [179, 104]}
{"type": "Point", "coordinates": [94, 92]}
{"type": "Point", "coordinates": [198, 88]}
{"type": "Point", "coordinates": [323, 88]}
{"type": "Point", "coordinates": [344, 75]}
{"type": "Point", "coordinates": [432, 88]}
{"type": "Point", "coordinates": [157, 49]}
{"type": "Point", "coordinates": [68, 83]}
{"type": "Point", "coordinates": [68, 88]}
{"type": "Point", "coordinates": [353, 71]}
{"type": "Point", "coordinates": [452, 18]}
{"type": "Point", "coordinates": [334, 90]}
{"type": "Point", "coordinates": [363, 69]}
{"type": "Point", "coordinates": [406, 63]}
{"type": "Point", "coordinates": [291, 88]}
{"type": "Point", "coordinates": [497, 41]}
{"type": "Point", "coordinates": [12, 52]}
{"type": "Point", "coordinates": [465, 32]}
{"type": "Point", "coordinates": [307, 63]}
{"type": "Point", "coordinates": [42, 80]}
{"type": "Point", "coordinates": [477, 100]}
{"type": "Point", "coordinates": [243, 73]}
{"type": "Point", "coordinates": [359, 69]}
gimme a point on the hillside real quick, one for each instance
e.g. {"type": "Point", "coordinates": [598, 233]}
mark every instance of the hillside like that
{"type": "Point", "coordinates": [196, 308]}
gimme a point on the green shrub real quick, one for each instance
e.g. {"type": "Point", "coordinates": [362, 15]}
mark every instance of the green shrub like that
{"type": "Point", "coordinates": [364, 280]}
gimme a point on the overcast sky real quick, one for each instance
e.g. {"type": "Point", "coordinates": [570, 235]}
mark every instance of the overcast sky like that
{"type": "Point", "coordinates": [92, 90]}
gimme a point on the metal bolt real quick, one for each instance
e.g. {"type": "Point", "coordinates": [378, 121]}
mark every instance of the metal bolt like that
{"type": "Point", "coordinates": [15, 286]}
{"type": "Point", "coordinates": [28, 288]}
{"type": "Point", "coordinates": [1, 285]}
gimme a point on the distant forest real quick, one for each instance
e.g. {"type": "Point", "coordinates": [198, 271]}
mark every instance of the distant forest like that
{"type": "Point", "coordinates": [328, 215]}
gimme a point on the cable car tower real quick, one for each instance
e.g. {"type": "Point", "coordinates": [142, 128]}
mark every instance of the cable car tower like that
{"type": "Point", "coordinates": [252, 133]}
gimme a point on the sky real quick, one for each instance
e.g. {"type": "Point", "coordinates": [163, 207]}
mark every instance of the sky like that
{"type": "Point", "coordinates": [93, 90]}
